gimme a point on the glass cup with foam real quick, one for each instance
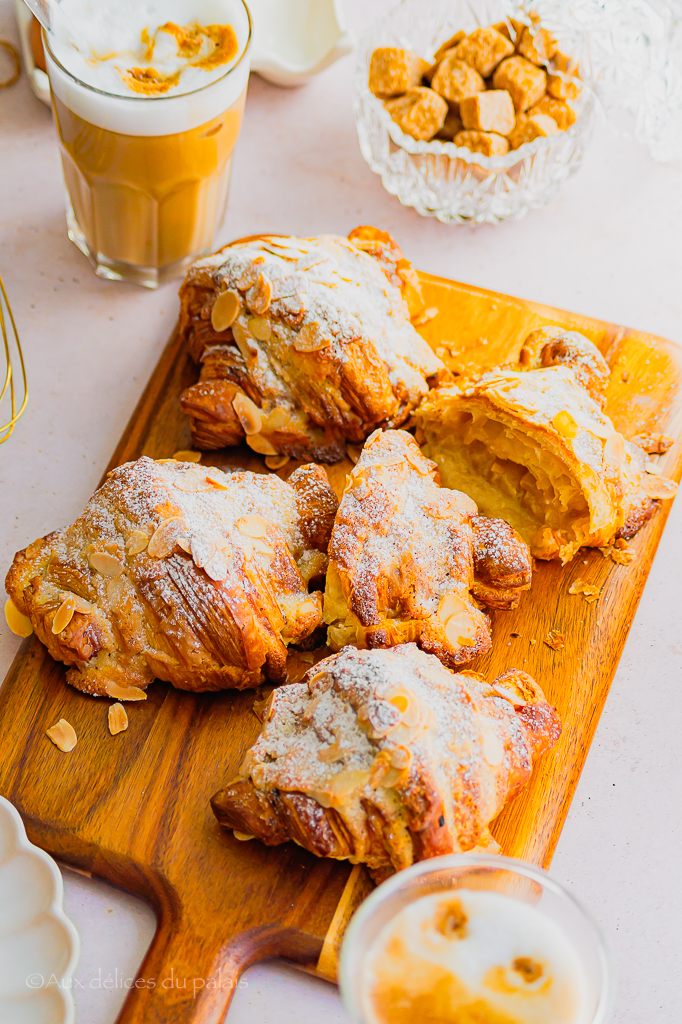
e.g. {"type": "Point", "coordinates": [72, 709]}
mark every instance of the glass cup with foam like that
{"type": "Point", "coordinates": [148, 112]}
{"type": "Point", "coordinates": [474, 937]}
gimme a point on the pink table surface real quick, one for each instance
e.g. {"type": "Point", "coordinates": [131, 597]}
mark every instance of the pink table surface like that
{"type": "Point", "coordinates": [608, 245]}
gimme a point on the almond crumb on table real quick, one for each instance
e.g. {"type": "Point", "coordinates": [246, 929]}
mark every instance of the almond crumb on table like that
{"type": "Point", "coordinates": [555, 640]}
{"type": "Point", "coordinates": [63, 735]}
{"type": "Point", "coordinates": [117, 718]}
{"type": "Point", "coordinates": [589, 591]}
{"type": "Point", "coordinates": [619, 552]}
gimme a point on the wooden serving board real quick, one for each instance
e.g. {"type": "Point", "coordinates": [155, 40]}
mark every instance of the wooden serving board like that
{"type": "Point", "coordinates": [134, 809]}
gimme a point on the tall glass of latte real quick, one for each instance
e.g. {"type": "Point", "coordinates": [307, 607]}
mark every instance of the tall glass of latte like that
{"type": "Point", "coordinates": [148, 99]}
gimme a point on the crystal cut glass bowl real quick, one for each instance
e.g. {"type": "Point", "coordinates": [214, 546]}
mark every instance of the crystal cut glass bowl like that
{"type": "Point", "coordinates": [440, 179]}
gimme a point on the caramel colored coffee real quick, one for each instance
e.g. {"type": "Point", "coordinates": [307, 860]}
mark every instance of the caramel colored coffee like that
{"type": "Point", "coordinates": [148, 100]}
{"type": "Point", "coordinates": [146, 201]}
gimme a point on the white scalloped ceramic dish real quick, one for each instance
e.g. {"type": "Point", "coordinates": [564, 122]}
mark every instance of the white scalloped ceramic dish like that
{"type": "Point", "coordinates": [38, 944]}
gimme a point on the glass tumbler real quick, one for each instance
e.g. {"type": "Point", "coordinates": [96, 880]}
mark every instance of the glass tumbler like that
{"type": "Point", "coordinates": [147, 176]}
{"type": "Point", "coordinates": [478, 872]}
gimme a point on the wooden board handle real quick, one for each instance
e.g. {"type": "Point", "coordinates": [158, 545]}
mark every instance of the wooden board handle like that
{"type": "Point", "coordinates": [187, 978]}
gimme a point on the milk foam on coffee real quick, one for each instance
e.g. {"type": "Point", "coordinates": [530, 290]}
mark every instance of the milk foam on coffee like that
{"type": "Point", "coordinates": [153, 51]}
{"type": "Point", "coordinates": [474, 955]}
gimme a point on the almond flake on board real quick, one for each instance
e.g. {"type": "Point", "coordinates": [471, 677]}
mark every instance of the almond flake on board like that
{"type": "Point", "coordinates": [622, 553]}
{"type": "Point", "coordinates": [619, 552]}
{"type": "Point", "coordinates": [423, 318]}
{"type": "Point", "coordinates": [125, 692]}
{"type": "Point", "coordinates": [185, 455]}
{"type": "Point", "coordinates": [19, 623]}
{"type": "Point", "coordinates": [555, 640]}
{"type": "Point", "coordinates": [118, 719]}
{"type": "Point", "coordinates": [63, 735]}
{"type": "Point", "coordinates": [276, 461]}
{"type": "Point", "coordinates": [589, 591]}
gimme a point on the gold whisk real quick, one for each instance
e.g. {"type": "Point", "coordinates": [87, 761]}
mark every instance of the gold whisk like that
{"type": "Point", "coordinates": [12, 346]}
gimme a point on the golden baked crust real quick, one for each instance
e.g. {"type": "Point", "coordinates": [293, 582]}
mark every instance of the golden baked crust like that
{"type": "Point", "coordinates": [180, 572]}
{"type": "Point", "coordinates": [532, 445]}
{"type": "Point", "coordinates": [386, 758]}
{"type": "Point", "coordinates": [403, 556]}
{"type": "Point", "coordinates": [305, 344]}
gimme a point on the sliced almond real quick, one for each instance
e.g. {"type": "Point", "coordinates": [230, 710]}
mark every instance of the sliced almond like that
{"type": "Point", "coordinates": [225, 310]}
{"type": "Point", "coordinates": [137, 541]}
{"type": "Point", "coordinates": [186, 455]}
{"type": "Point", "coordinates": [260, 444]}
{"type": "Point", "coordinates": [261, 547]}
{"type": "Point", "coordinates": [310, 338]}
{"type": "Point", "coordinates": [417, 461]}
{"type": "Point", "coordinates": [276, 461]}
{"type": "Point", "coordinates": [260, 328]}
{"type": "Point", "coordinates": [118, 719]}
{"type": "Point", "coordinates": [307, 608]}
{"type": "Point", "coordinates": [460, 630]}
{"type": "Point", "coordinates": [248, 414]}
{"type": "Point", "coordinates": [242, 340]}
{"type": "Point", "coordinates": [63, 616]}
{"type": "Point", "coordinates": [493, 747]}
{"type": "Point", "coordinates": [105, 564]}
{"type": "Point", "coordinates": [658, 486]}
{"type": "Point", "coordinates": [249, 274]}
{"type": "Point", "coordinates": [243, 837]}
{"type": "Point", "coordinates": [512, 692]}
{"type": "Point", "coordinates": [19, 623]}
{"type": "Point", "coordinates": [165, 537]}
{"type": "Point", "coordinates": [259, 296]}
{"type": "Point", "coordinates": [218, 479]}
{"type": "Point", "coordinates": [252, 526]}
{"type": "Point", "coordinates": [353, 452]}
{"type": "Point", "coordinates": [449, 606]}
{"type": "Point", "coordinates": [565, 424]}
{"type": "Point", "coordinates": [614, 449]}
{"type": "Point", "coordinates": [124, 692]}
{"type": "Point", "coordinates": [210, 556]}
{"type": "Point", "coordinates": [63, 735]}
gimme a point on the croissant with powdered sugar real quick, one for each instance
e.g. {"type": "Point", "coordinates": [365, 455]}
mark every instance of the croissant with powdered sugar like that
{"type": "Point", "coordinates": [180, 572]}
{"type": "Point", "coordinates": [409, 560]}
{"type": "Point", "coordinates": [305, 344]}
{"type": "Point", "coordinates": [385, 758]}
{"type": "Point", "coordinates": [532, 445]}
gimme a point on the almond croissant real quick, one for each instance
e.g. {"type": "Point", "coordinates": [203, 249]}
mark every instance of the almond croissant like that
{"type": "Point", "coordinates": [305, 344]}
{"type": "Point", "coordinates": [181, 572]}
{"type": "Point", "coordinates": [386, 758]}
{"type": "Point", "coordinates": [406, 556]}
{"type": "Point", "coordinates": [532, 444]}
